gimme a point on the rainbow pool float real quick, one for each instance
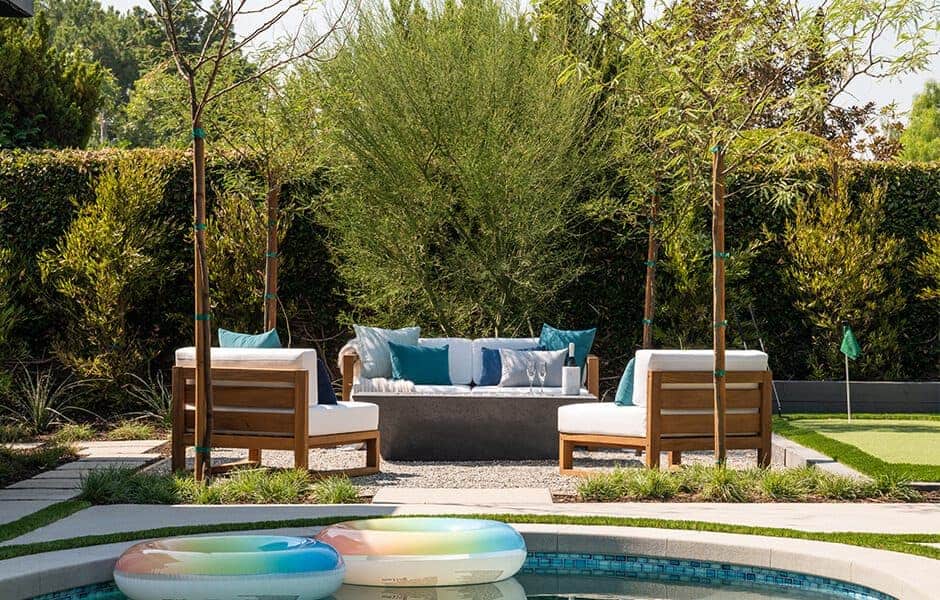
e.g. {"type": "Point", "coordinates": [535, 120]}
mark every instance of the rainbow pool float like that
{"type": "Point", "coordinates": [237, 566]}
{"type": "Point", "coordinates": [418, 551]}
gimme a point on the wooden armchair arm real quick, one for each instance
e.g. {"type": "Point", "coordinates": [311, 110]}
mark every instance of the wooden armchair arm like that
{"type": "Point", "coordinates": [593, 381]}
{"type": "Point", "coordinates": [350, 362]}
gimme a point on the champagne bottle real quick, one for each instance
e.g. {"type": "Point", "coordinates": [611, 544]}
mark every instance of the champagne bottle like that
{"type": "Point", "coordinates": [570, 362]}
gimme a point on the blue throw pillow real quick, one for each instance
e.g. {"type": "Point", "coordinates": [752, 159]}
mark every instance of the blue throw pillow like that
{"type": "Point", "coordinates": [624, 395]}
{"type": "Point", "coordinates": [325, 393]}
{"type": "Point", "coordinates": [558, 339]}
{"type": "Point", "coordinates": [492, 366]}
{"type": "Point", "coordinates": [422, 365]}
{"type": "Point", "coordinates": [232, 339]}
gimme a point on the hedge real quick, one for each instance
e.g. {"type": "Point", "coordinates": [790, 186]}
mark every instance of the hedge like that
{"type": "Point", "coordinates": [40, 193]}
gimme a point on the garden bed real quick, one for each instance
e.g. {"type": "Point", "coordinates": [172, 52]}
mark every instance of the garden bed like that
{"type": "Point", "coordinates": [900, 446]}
{"type": "Point", "coordinates": [18, 464]}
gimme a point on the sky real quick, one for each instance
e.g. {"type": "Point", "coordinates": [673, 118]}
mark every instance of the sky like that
{"type": "Point", "coordinates": [881, 92]}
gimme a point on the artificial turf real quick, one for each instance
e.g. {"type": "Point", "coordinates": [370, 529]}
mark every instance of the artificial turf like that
{"type": "Point", "coordinates": [912, 543]}
{"type": "Point", "coordinates": [898, 446]}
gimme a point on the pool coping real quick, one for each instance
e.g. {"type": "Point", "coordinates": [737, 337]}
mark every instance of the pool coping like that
{"type": "Point", "coordinates": [903, 576]}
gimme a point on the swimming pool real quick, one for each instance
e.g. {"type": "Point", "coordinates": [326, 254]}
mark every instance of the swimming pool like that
{"type": "Point", "coordinates": [591, 575]}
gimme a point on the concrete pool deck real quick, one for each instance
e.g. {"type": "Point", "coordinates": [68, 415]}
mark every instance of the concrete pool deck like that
{"type": "Point", "coordinates": [902, 576]}
{"type": "Point", "coordinates": [855, 517]}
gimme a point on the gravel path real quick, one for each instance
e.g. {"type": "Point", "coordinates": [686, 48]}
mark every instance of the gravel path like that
{"type": "Point", "coordinates": [483, 474]}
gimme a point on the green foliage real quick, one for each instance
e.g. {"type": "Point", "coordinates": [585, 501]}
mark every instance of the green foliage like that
{"type": "Point", "coordinates": [42, 399]}
{"type": "Point", "coordinates": [460, 162]}
{"type": "Point", "coordinates": [246, 486]}
{"type": "Point", "coordinates": [133, 430]}
{"type": "Point", "coordinates": [843, 270]}
{"type": "Point", "coordinates": [153, 396]}
{"type": "Point", "coordinates": [73, 432]}
{"type": "Point", "coordinates": [921, 137]}
{"type": "Point", "coordinates": [48, 98]}
{"type": "Point", "coordinates": [334, 489]}
{"type": "Point", "coordinates": [927, 265]}
{"type": "Point", "coordinates": [107, 265]}
{"type": "Point", "coordinates": [16, 465]}
{"type": "Point", "coordinates": [13, 432]}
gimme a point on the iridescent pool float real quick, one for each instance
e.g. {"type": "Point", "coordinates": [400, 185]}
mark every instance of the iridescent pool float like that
{"type": "Point", "coordinates": [422, 551]}
{"type": "Point", "coordinates": [237, 566]}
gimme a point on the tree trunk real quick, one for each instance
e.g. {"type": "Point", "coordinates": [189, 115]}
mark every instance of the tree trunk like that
{"type": "Point", "coordinates": [203, 429]}
{"type": "Point", "coordinates": [718, 299]}
{"type": "Point", "coordinates": [652, 251]}
{"type": "Point", "coordinates": [271, 255]}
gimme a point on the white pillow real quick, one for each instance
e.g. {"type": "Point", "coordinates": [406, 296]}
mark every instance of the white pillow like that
{"type": "Point", "coordinates": [514, 366]}
{"type": "Point", "coordinates": [373, 342]}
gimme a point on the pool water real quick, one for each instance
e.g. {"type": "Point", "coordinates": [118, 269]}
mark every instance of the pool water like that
{"type": "Point", "coordinates": [591, 576]}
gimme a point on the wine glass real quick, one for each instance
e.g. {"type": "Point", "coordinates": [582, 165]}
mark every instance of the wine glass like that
{"type": "Point", "coordinates": [530, 371]}
{"type": "Point", "coordinates": [543, 372]}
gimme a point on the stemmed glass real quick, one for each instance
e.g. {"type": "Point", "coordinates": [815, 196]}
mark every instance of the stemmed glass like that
{"type": "Point", "coordinates": [543, 371]}
{"type": "Point", "coordinates": [530, 371]}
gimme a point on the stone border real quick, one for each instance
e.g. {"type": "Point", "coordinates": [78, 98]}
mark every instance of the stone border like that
{"type": "Point", "coordinates": [903, 576]}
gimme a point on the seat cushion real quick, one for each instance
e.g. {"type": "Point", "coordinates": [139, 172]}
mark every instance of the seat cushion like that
{"type": "Point", "coordinates": [602, 418]}
{"type": "Point", "coordinates": [459, 360]}
{"type": "Point", "coordinates": [496, 390]}
{"type": "Point", "coordinates": [690, 360]}
{"type": "Point", "coordinates": [260, 358]}
{"type": "Point", "coordinates": [443, 390]}
{"type": "Point", "coordinates": [495, 344]}
{"type": "Point", "coordinates": [343, 417]}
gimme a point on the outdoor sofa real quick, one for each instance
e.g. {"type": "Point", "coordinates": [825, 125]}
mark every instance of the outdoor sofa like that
{"type": "Point", "coordinates": [266, 399]}
{"type": "Point", "coordinates": [465, 421]}
{"type": "Point", "coordinates": [673, 408]}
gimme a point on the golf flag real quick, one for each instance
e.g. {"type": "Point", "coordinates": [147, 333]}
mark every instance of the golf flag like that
{"type": "Point", "coordinates": [850, 346]}
{"type": "Point", "coordinates": [850, 349]}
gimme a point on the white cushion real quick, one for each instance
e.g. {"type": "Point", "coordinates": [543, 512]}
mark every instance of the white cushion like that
{"type": "Point", "coordinates": [443, 390]}
{"type": "Point", "coordinates": [260, 358]}
{"type": "Point", "coordinates": [496, 390]}
{"type": "Point", "coordinates": [458, 357]}
{"type": "Point", "coordinates": [602, 418]}
{"type": "Point", "coordinates": [496, 344]}
{"type": "Point", "coordinates": [690, 360]}
{"type": "Point", "coordinates": [343, 417]}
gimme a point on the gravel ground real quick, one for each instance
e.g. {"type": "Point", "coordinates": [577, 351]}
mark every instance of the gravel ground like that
{"type": "Point", "coordinates": [483, 474]}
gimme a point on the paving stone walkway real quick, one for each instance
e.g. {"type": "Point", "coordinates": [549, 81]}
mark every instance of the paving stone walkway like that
{"type": "Point", "coordinates": [28, 496]}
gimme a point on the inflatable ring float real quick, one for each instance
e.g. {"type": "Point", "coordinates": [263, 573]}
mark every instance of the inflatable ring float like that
{"type": "Point", "coordinates": [420, 551]}
{"type": "Point", "coordinates": [237, 566]}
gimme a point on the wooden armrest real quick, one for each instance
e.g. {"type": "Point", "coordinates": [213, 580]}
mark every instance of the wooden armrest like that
{"type": "Point", "coordinates": [593, 380]}
{"type": "Point", "coordinates": [350, 361]}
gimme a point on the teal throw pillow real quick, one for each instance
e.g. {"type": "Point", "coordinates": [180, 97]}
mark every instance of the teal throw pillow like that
{"type": "Point", "coordinates": [624, 395]}
{"type": "Point", "coordinates": [558, 339]}
{"type": "Point", "coordinates": [233, 339]}
{"type": "Point", "coordinates": [422, 365]}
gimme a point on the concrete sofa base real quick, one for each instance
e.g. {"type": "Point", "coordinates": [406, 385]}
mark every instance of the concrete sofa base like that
{"type": "Point", "coordinates": [900, 575]}
{"type": "Point", "coordinates": [447, 428]}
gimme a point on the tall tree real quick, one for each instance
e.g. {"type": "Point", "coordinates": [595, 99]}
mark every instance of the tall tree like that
{"type": "Point", "coordinates": [199, 68]}
{"type": "Point", "coordinates": [921, 138]}
{"type": "Point", "coordinates": [48, 97]}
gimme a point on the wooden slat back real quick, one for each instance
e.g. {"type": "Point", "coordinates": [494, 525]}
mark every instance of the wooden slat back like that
{"type": "Point", "coordinates": [248, 401]}
{"type": "Point", "coordinates": [676, 410]}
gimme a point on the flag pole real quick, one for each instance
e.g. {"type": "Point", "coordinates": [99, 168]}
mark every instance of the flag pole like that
{"type": "Point", "coordinates": [848, 393]}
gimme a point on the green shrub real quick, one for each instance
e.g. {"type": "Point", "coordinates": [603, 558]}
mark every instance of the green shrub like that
{"type": "Point", "coordinates": [105, 266]}
{"type": "Point", "coordinates": [893, 487]}
{"type": "Point", "coordinates": [42, 399]}
{"type": "Point", "coordinates": [153, 397]}
{"type": "Point", "coordinates": [74, 432]}
{"type": "Point", "coordinates": [786, 484]}
{"type": "Point", "coordinates": [16, 465]}
{"type": "Point", "coordinates": [650, 484]}
{"type": "Point", "coordinates": [603, 487]}
{"type": "Point", "coordinates": [122, 485]}
{"type": "Point", "coordinates": [839, 487]}
{"type": "Point", "coordinates": [335, 490]}
{"type": "Point", "coordinates": [133, 430]}
{"type": "Point", "coordinates": [13, 432]}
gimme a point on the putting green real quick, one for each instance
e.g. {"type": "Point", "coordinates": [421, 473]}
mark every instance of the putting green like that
{"type": "Point", "coordinates": [907, 442]}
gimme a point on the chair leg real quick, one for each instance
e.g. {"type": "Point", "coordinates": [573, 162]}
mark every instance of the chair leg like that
{"type": "Point", "coordinates": [675, 458]}
{"type": "Point", "coordinates": [372, 453]}
{"type": "Point", "coordinates": [254, 455]}
{"type": "Point", "coordinates": [652, 456]}
{"type": "Point", "coordinates": [178, 456]}
{"type": "Point", "coordinates": [565, 454]}
{"type": "Point", "coordinates": [301, 454]}
{"type": "Point", "coordinates": [763, 457]}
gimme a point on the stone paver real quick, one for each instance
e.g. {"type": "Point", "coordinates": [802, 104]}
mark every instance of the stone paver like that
{"type": "Point", "coordinates": [477, 497]}
{"type": "Point", "coordinates": [37, 494]}
{"type": "Point", "coordinates": [13, 510]}
{"type": "Point", "coordinates": [877, 518]}
{"type": "Point", "coordinates": [46, 483]}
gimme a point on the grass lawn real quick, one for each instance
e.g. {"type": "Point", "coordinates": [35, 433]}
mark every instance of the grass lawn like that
{"type": "Point", "coordinates": [904, 446]}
